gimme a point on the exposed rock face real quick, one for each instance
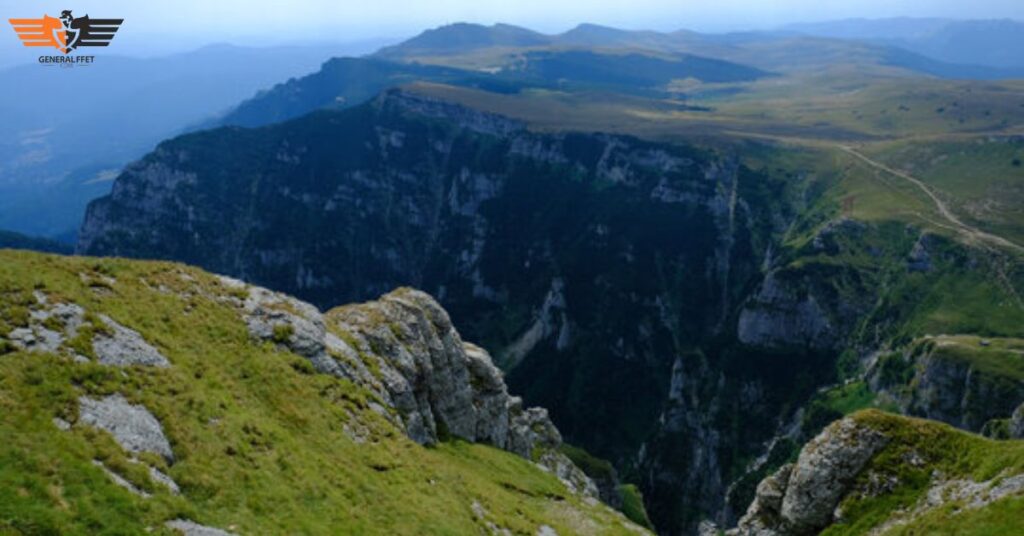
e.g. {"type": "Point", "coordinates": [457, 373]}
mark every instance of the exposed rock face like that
{"type": "Point", "coordinates": [404, 348]}
{"type": "Point", "coordinates": [941, 385]}
{"type": "Point", "coordinates": [133, 426]}
{"type": "Point", "coordinates": [52, 325]}
{"type": "Point", "coordinates": [1017, 423]}
{"type": "Point", "coordinates": [778, 316]}
{"type": "Point", "coordinates": [801, 498]}
{"type": "Point", "coordinates": [824, 471]}
{"type": "Point", "coordinates": [956, 393]}
{"type": "Point", "coordinates": [681, 464]}
{"type": "Point", "coordinates": [124, 347]}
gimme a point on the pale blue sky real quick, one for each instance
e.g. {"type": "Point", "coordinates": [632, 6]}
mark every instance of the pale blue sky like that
{"type": "Point", "coordinates": [154, 25]}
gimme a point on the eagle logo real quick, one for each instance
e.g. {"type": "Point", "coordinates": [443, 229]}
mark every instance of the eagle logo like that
{"type": "Point", "coordinates": [66, 33]}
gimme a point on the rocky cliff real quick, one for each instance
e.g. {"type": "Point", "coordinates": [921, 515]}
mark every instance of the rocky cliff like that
{"type": "Point", "coordinates": [964, 381]}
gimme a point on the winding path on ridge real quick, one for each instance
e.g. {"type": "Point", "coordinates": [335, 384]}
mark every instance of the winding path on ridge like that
{"type": "Point", "coordinates": [967, 230]}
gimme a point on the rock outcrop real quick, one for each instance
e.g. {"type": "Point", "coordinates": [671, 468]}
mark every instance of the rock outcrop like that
{"type": "Point", "coordinates": [120, 346]}
{"type": "Point", "coordinates": [53, 325]}
{"type": "Point", "coordinates": [782, 316]}
{"type": "Point", "coordinates": [404, 349]}
{"type": "Point", "coordinates": [801, 498]}
{"type": "Point", "coordinates": [133, 426]}
{"type": "Point", "coordinates": [1017, 423]}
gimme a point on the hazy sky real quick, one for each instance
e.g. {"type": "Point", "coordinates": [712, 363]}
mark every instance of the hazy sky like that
{"type": "Point", "coordinates": [153, 25]}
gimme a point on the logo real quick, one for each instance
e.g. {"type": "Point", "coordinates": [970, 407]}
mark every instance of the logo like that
{"type": "Point", "coordinates": [67, 33]}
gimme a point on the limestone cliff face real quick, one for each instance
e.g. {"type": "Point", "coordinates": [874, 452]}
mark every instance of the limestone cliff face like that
{"type": "Point", "coordinates": [937, 378]}
{"type": "Point", "coordinates": [427, 381]}
{"type": "Point", "coordinates": [794, 308]}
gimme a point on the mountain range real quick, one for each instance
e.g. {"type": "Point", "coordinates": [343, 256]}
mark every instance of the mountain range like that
{"type": "Point", "coordinates": [764, 283]}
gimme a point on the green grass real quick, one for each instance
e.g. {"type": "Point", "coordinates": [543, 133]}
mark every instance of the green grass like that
{"type": "Point", "coordinates": [260, 443]}
{"type": "Point", "coordinates": [1001, 357]}
{"type": "Point", "coordinates": [633, 505]}
{"type": "Point", "coordinates": [593, 466]}
{"type": "Point", "coordinates": [976, 176]}
{"type": "Point", "coordinates": [1001, 518]}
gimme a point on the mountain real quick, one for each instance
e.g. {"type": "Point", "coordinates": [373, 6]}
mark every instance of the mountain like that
{"type": "Point", "coordinates": [60, 148]}
{"type": "Point", "coordinates": [458, 37]}
{"type": "Point", "coordinates": [594, 35]}
{"type": "Point", "coordinates": [940, 48]}
{"type": "Point", "coordinates": [712, 308]}
{"type": "Point", "coordinates": [989, 43]}
{"type": "Point", "coordinates": [161, 397]}
{"type": "Point", "coordinates": [9, 240]}
{"type": "Point", "coordinates": [625, 72]}
{"type": "Point", "coordinates": [344, 82]}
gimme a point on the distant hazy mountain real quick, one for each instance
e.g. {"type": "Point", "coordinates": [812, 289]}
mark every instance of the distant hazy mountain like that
{"type": "Point", "coordinates": [454, 38]}
{"type": "Point", "coordinates": [66, 132]}
{"type": "Point", "coordinates": [868, 44]}
{"type": "Point", "coordinates": [9, 240]}
{"type": "Point", "coordinates": [344, 82]}
{"type": "Point", "coordinates": [992, 43]}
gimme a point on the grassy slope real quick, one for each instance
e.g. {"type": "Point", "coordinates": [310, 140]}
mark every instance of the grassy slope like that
{"type": "Point", "coordinates": [981, 178]}
{"type": "Point", "coordinates": [258, 439]}
{"type": "Point", "coordinates": [957, 455]}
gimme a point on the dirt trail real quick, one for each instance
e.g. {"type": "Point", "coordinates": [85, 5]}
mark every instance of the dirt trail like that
{"type": "Point", "coordinates": [965, 229]}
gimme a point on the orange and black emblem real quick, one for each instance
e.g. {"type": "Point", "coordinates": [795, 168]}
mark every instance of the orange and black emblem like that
{"type": "Point", "coordinates": [66, 33]}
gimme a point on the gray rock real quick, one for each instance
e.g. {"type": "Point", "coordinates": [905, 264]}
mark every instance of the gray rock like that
{"type": "Point", "coordinates": [765, 512]}
{"type": "Point", "coordinates": [1017, 423]}
{"type": "Point", "coordinates": [61, 424]}
{"type": "Point", "coordinates": [958, 393]}
{"type": "Point", "coordinates": [165, 480]}
{"type": "Point", "coordinates": [40, 335]}
{"type": "Point", "coordinates": [125, 347]}
{"type": "Point", "coordinates": [780, 315]}
{"type": "Point", "coordinates": [823, 472]}
{"type": "Point", "coordinates": [120, 481]}
{"type": "Point", "coordinates": [132, 426]}
{"type": "Point", "coordinates": [433, 383]}
{"type": "Point", "coordinates": [920, 259]}
{"type": "Point", "coordinates": [191, 528]}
